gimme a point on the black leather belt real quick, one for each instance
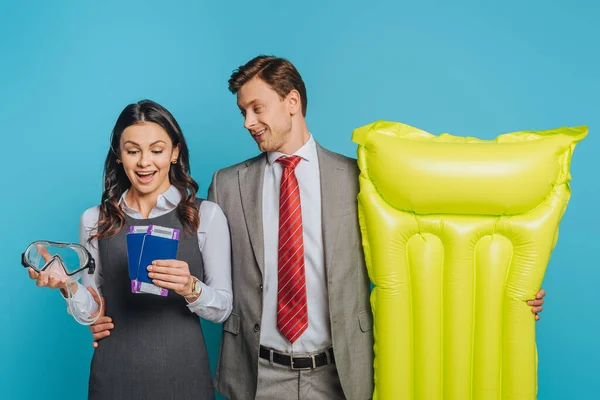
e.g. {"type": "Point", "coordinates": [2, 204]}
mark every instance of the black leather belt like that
{"type": "Point", "coordinates": [301, 362]}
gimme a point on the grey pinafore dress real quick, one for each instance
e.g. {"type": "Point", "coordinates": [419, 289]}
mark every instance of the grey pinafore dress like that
{"type": "Point", "coordinates": [156, 349]}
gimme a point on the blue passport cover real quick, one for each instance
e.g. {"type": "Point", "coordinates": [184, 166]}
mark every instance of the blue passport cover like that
{"type": "Point", "coordinates": [134, 250]}
{"type": "Point", "coordinates": [155, 248]}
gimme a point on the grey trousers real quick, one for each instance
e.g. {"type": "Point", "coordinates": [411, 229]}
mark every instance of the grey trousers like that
{"type": "Point", "coordinates": [277, 382]}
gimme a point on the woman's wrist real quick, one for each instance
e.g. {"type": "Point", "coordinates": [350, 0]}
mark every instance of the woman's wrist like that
{"type": "Point", "coordinates": [195, 290]}
{"type": "Point", "coordinates": [74, 287]}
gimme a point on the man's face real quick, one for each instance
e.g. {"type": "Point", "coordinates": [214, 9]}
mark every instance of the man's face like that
{"type": "Point", "coordinates": [266, 115]}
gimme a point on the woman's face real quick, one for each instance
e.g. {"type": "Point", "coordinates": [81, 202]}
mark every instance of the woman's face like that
{"type": "Point", "coordinates": [146, 153]}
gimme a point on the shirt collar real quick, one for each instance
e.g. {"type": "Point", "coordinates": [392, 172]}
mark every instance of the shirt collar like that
{"type": "Point", "coordinates": [171, 195]}
{"type": "Point", "coordinates": [308, 152]}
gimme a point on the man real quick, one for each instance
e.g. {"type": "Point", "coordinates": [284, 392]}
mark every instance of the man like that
{"type": "Point", "coordinates": [301, 325]}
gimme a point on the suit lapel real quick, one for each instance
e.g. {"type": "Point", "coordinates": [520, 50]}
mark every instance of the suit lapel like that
{"type": "Point", "coordinates": [251, 181]}
{"type": "Point", "coordinates": [329, 168]}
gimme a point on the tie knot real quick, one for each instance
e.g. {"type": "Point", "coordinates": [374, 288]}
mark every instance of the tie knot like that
{"type": "Point", "coordinates": [289, 162]}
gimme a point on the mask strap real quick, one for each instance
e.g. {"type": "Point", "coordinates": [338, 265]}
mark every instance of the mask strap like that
{"type": "Point", "coordinates": [79, 316]}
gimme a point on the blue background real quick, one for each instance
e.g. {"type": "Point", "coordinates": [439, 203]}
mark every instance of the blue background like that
{"type": "Point", "coordinates": [68, 68]}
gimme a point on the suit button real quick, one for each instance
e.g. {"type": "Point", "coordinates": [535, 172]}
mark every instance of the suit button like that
{"type": "Point", "coordinates": [256, 327]}
{"type": "Point", "coordinates": [260, 288]}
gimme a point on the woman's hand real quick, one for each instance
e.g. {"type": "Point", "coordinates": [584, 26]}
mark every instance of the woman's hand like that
{"type": "Point", "coordinates": [48, 279]}
{"type": "Point", "coordinates": [171, 274]}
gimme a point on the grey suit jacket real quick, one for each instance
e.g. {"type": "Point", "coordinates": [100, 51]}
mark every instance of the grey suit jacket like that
{"type": "Point", "coordinates": [238, 191]}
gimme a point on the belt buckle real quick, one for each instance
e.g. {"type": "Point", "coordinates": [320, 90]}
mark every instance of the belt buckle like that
{"type": "Point", "coordinates": [314, 364]}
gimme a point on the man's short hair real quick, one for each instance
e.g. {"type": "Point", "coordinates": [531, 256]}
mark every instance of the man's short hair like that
{"type": "Point", "coordinates": [277, 72]}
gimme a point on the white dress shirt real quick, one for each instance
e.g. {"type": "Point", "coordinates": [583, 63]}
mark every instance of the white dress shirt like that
{"type": "Point", "coordinates": [317, 336]}
{"type": "Point", "coordinates": [215, 301]}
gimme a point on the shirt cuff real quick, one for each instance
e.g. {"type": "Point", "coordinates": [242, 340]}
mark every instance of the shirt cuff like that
{"type": "Point", "coordinates": [82, 300]}
{"type": "Point", "coordinates": [205, 299]}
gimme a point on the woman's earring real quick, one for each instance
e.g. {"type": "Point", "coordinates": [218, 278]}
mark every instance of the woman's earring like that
{"type": "Point", "coordinates": [118, 161]}
{"type": "Point", "coordinates": [174, 161]}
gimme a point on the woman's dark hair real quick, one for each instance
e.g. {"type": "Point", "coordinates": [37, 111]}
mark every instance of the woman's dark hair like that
{"type": "Point", "coordinates": [112, 218]}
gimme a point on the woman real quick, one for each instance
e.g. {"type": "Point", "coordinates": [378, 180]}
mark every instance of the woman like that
{"type": "Point", "coordinates": [156, 349]}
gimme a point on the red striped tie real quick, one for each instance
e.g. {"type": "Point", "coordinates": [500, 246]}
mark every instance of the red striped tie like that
{"type": "Point", "coordinates": [292, 314]}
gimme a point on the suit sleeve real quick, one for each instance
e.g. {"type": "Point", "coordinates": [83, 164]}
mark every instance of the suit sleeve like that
{"type": "Point", "coordinates": [212, 189]}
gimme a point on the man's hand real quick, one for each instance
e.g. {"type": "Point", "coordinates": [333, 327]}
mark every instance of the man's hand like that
{"type": "Point", "coordinates": [101, 328]}
{"type": "Point", "coordinates": [536, 304]}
